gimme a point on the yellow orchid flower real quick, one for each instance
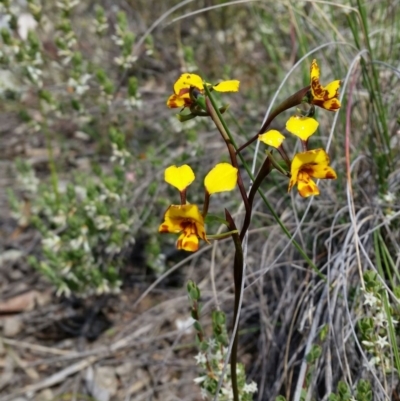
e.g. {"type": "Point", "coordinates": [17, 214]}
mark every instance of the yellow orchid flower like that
{"type": "Point", "coordinates": [313, 163]}
{"type": "Point", "coordinates": [303, 127]}
{"type": "Point", "coordinates": [326, 97]}
{"type": "Point", "coordinates": [272, 138]}
{"type": "Point", "coordinates": [181, 96]}
{"type": "Point", "coordinates": [187, 220]}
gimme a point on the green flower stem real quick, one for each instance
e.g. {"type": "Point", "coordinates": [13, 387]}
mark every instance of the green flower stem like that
{"type": "Point", "coordinates": [264, 171]}
{"type": "Point", "coordinates": [297, 96]}
{"type": "Point", "coordinates": [284, 155]}
{"type": "Point", "coordinates": [223, 129]}
{"type": "Point", "coordinates": [290, 102]}
{"type": "Point", "coordinates": [276, 164]}
{"type": "Point", "coordinates": [237, 278]}
{"type": "Point", "coordinates": [206, 203]}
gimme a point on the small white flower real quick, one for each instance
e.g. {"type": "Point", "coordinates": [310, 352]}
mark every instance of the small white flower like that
{"type": "Point", "coordinates": [380, 319]}
{"type": "Point", "coordinates": [389, 197]}
{"type": "Point", "coordinates": [103, 222]}
{"type": "Point", "coordinates": [91, 210]}
{"type": "Point", "coordinates": [200, 379]}
{"type": "Point", "coordinates": [389, 215]}
{"type": "Point", "coordinates": [212, 343]}
{"type": "Point", "coordinates": [382, 342]}
{"type": "Point", "coordinates": [63, 289]}
{"type": "Point", "coordinates": [26, 22]}
{"type": "Point", "coordinates": [113, 248]}
{"type": "Point", "coordinates": [123, 228]}
{"type": "Point", "coordinates": [60, 219]}
{"type": "Point", "coordinates": [67, 5]}
{"type": "Point", "coordinates": [117, 40]}
{"type": "Point", "coordinates": [76, 243]}
{"type": "Point", "coordinates": [374, 361]}
{"type": "Point", "coordinates": [250, 388]}
{"type": "Point", "coordinates": [186, 325]}
{"type": "Point", "coordinates": [200, 358]}
{"type": "Point", "coordinates": [370, 299]}
{"type": "Point", "coordinates": [133, 102]}
{"type": "Point", "coordinates": [52, 243]}
{"type": "Point", "coordinates": [103, 288]}
{"type": "Point", "coordinates": [204, 394]}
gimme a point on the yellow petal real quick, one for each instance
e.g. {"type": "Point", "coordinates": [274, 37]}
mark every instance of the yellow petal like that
{"type": "Point", "coordinates": [331, 104]}
{"type": "Point", "coordinates": [303, 127]}
{"type": "Point", "coordinates": [185, 81]}
{"type": "Point", "coordinates": [306, 186]}
{"type": "Point", "coordinates": [323, 172]}
{"type": "Point", "coordinates": [227, 86]}
{"type": "Point", "coordinates": [188, 241]}
{"type": "Point", "coordinates": [332, 89]}
{"type": "Point", "coordinates": [179, 177]}
{"type": "Point", "coordinates": [272, 138]}
{"type": "Point", "coordinates": [175, 101]}
{"type": "Point", "coordinates": [311, 157]}
{"type": "Point", "coordinates": [176, 216]}
{"type": "Point", "coordinates": [314, 70]}
{"type": "Point", "coordinates": [222, 177]}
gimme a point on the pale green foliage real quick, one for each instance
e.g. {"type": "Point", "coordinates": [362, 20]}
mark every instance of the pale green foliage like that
{"type": "Point", "coordinates": [212, 355]}
{"type": "Point", "coordinates": [86, 218]}
{"type": "Point", "coordinates": [84, 226]}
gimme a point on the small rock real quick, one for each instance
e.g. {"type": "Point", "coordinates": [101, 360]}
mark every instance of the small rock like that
{"type": "Point", "coordinates": [101, 383]}
{"type": "Point", "coordinates": [12, 326]}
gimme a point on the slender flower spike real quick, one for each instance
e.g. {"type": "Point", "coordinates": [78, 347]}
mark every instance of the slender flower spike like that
{"type": "Point", "coordinates": [179, 177]}
{"type": "Point", "coordinates": [326, 97]}
{"type": "Point", "coordinates": [187, 220]}
{"type": "Point", "coordinates": [313, 163]}
{"type": "Point", "coordinates": [303, 127]}
{"type": "Point", "coordinates": [272, 138]}
{"type": "Point", "coordinates": [181, 96]}
{"type": "Point", "coordinates": [223, 177]}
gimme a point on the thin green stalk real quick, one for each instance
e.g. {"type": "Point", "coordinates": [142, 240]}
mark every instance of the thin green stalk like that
{"type": "Point", "coordinates": [388, 258]}
{"type": "Point", "coordinates": [237, 278]}
{"type": "Point", "coordinates": [386, 304]}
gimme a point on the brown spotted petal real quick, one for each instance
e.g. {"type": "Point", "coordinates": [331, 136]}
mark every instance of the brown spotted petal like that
{"type": "Point", "coordinates": [326, 97]}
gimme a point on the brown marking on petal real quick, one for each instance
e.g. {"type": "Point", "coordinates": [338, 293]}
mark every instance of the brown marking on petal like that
{"type": "Point", "coordinates": [330, 176]}
{"type": "Point", "coordinates": [183, 91]}
{"type": "Point", "coordinates": [318, 102]}
{"type": "Point", "coordinates": [335, 105]}
{"type": "Point", "coordinates": [163, 228]}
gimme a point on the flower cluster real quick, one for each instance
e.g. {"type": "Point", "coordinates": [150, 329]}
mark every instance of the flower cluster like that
{"type": "Point", "coordinates": [188, 86]}
{"type": "Point", "coordinates": [310, 163]}
{"type": "Point", "coordinates": [186, 218]}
